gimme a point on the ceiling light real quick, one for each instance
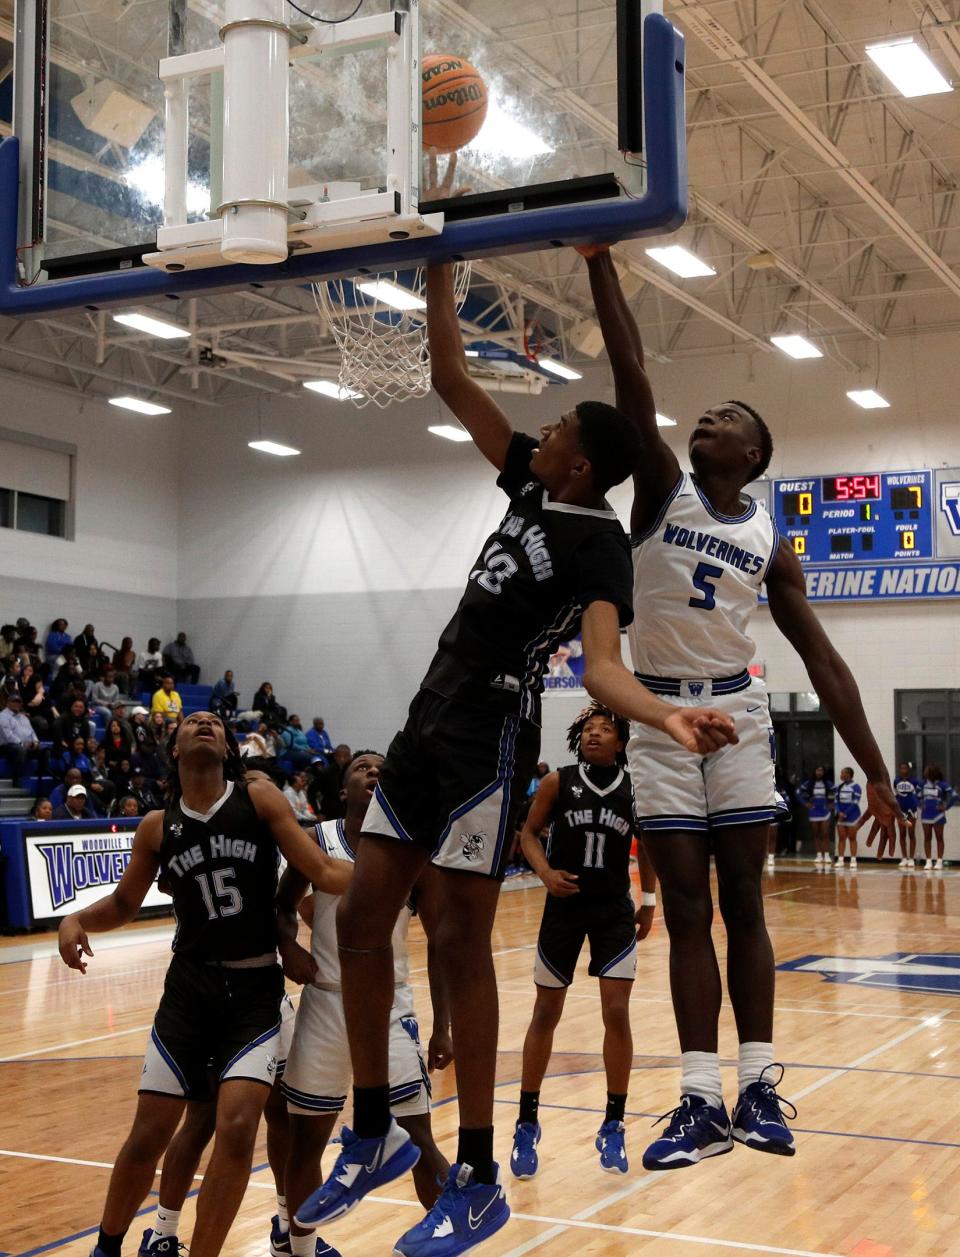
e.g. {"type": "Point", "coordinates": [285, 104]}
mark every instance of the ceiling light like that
{"type": "Point", "coordinates": [664, 422]}
{"type": "Point", "coordinates": [908, 68]}
{"type": "Point", "coordinates": [868, 398]}
{"type": "Point", "coordinates": [796, 346]}
{"type": "Point", "coordinates": [140, 406]}
{"type": "Point", "coordinates": [330, 389]}
{"type": "Point", "coordinates": [681, 261]}
{"type": "Point", "coordinates": [449, 432]}
{"type": "Point", "coordinates": [504, 135]}
{"type": "Point", "coordinates": [391, 295]}
{"type": "Point", "coordinates": [273, 447]}
{"type": "Point", "coordinates": [559, 368]}
{"type": "Point", "coordinates": [153, 327]}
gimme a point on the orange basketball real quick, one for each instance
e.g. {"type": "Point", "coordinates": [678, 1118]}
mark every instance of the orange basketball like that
{"type": "Point", "coordinates": [454, 103]}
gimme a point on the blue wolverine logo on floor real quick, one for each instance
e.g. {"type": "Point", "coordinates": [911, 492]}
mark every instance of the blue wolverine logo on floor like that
{"type": "Point", "coordinates": [934, 972]}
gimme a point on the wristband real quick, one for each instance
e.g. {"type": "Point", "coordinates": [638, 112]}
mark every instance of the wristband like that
{"type": "Point", "coordinates": [648, 899]}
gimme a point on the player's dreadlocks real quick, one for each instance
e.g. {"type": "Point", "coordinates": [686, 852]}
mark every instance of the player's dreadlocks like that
{"type": "Point", "coordinates": [233, 769]}
{"type": "Point", "coordinates": [575, 732]}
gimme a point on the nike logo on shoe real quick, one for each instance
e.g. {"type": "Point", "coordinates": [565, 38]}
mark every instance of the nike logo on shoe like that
{"type": "Point", "coordinates": [475, 1219]}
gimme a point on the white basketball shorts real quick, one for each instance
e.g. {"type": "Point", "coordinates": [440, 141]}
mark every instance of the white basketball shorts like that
{"type": "Point", "coordinates": [674, 789]}
{"type": "Point", "coordinates": [318, 1073]}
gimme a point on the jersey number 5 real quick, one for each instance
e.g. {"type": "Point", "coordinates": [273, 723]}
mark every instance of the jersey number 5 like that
{"type": "Point", "coordinates": [229, 894]}
{"type": "Point", "coordinates": [705, 579]}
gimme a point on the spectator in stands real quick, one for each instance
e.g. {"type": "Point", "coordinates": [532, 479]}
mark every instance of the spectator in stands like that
{"type": "Point", "coordinates": [271, 712]}
{"type": "Point", "coordinates": [125, 667]}
{"type": "Point", "coordinates": [178, 659]}
{"type": "Point", "coordinates": [224, 698]}
{"type": "Point", "coordinates": [117, 743]}
{"type": "Point", "coordinates": [76, 757]}
{"type": "Point", "coordinates": [129, 808]}
{"type": "Point", "coordinates": [258, 751]}
{"type": "Point", "coordinates": [18, 742]}
{"type": "Point", "coordinates": [58, 639]}
{"type": "Point", "coordinates": [36, 705]}
{"type": "Point", "coordinates": [150, 665]}
{"type": "Point", "coordinates": [102, 790]}
{"type": "Point", "coordinates": [295, 793]}
{"type": "Point", "coordinates": [8, 635]}
{"type": "Point", "coordinates": [319, 741]}
{"type": "Point", "coordinates": [166, 700]}
{"type": "Point", "coordinates": [325, 791]}
{"type": "Point", "coordinates": [42, 810]}
{"type": "Point", "coordinates": [68, 676]}
{"type": "Point", "coordinates": [144, 740]}
{"type": "Point", "coordinates": [72, 777]}
{"type": "Point", "coordinates": [140, 789]}
{"type": "Point", "coordinates": [83, 641]}
{"type": "Point", "coordinates": [75, 807]}
{"type": "Point", "coordinates": [293, 744]}
{"type": "Point", "coordinates": [34, 648]}
{"type": "Point", "coordinates": [105, 694]}
{"type": "Point", "coordinates": [543, 769]}
{"type": "Point", "coordinates": [121, 775]}
{"type": "Point", "coordinates": [73, 724]}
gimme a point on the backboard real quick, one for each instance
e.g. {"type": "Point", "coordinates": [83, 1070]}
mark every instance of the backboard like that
{"type": "Point", "coordinates": [91, 175]}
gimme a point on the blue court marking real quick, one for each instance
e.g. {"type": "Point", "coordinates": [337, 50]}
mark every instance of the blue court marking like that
{"type": "Point", "coordinates": [933, 973]}
{"type": "Point", "coordinates": [95, 1230]}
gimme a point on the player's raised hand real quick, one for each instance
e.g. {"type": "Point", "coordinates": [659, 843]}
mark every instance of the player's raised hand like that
{"type": "Point", "coordinates": [73, 944]}
{"type": "Point", "coordinates": [439, 1049]}
{"type": "Point", "coordinates": [589, 251]}
{"type": "Point", "coordinates": [700, 729]}
{"type": "Point", "coordinates": [882, 802]}
{"type": "Point", "coordinates": [560, 883]}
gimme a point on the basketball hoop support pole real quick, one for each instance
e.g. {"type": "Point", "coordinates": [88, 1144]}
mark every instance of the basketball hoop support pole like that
{"type": "Point", "coordinates": [662, 208]}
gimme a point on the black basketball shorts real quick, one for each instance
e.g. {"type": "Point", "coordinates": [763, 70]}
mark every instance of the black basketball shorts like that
{"type": "Point", "coordinates": [213, 1024]}
{"type": "Point", "coordinates": [454, 780]}
{"type": "Point", "coordinates": [566, 923]}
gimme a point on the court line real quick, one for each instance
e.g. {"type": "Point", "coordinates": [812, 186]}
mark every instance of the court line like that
{"type": "Point", "coordinates": [868, 1056]}
{"type": "Point", "coordinates": [598, 1206]}
{"type": "Point", "coordinates": [57, 1047]}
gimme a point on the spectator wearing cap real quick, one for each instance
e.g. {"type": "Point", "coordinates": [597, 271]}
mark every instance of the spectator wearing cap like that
{"type": "Point", "coordinates": [150, 665]}
{"type": "Point", "coordinates": [140, 789]}
{"type": "Point", "coordinates": [166, 700]}
{"type": "Point", "coordinates": [18, 742]}
{"type": "Point", "coordinates": [72, 777]}
{"type": "Point", "coordinates": [224, 698]}
{"type": "Point", "coordinates": [75, 807]}
{"type": "Point", "coordinates": [105, 694]}
{"type": "Point", "coordinates": [58, 639]}
{"type": "Point", "coordinates": [178, 659]}
{"type": "Point", "coordinates": [319, 741]}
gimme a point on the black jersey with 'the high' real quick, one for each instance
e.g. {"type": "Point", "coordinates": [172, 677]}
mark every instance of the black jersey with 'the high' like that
{"type": "Point", "coordinates": [537, 573]}
{"type": "Point", "coordinates": [222, 869]}
{"type": "Point", "coordinates": [592, 832]}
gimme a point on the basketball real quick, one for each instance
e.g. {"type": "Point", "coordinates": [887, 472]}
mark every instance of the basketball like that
{"type": "Point", "coordinates": [454, 103]}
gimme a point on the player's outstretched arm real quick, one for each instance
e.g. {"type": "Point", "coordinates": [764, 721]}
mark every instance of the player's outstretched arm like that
{"type": "Point", "coordinates": [558, 882]}
{"type": "Point", "coordinates": [605, 678]}
{"type": "Point", "coordinates": [331, 876]}
{"type": "Point", "coordinates": [660, 470]}
{"type": "Point", "coordinates": [472, 405]}
{"type": "Point", "coordinates": [298, 963]}
{"type": "Point", "coordinates": [123, 904]}
{"type": "Point", "coordinates": [829, 675]}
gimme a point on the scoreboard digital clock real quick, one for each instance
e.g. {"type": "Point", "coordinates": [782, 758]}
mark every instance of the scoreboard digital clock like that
{"type": "Point", "coordinates": [861, 517]}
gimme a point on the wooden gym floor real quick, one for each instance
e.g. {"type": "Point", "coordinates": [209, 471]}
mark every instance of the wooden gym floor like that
{"type": "Point", "coordinates": [873, 1066]}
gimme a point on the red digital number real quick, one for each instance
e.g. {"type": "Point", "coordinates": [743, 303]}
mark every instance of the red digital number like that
{"type": "Point", "coordinates": [873, 486]}
{"type": "Point", "coordinates": [843, 488]}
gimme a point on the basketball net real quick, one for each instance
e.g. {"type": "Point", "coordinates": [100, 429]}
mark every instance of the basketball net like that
{"type": "Point", "coordinates": [384, 354]}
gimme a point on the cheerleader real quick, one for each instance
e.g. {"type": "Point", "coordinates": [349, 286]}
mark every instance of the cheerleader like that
{"type": "Point", "coordinates": [935, 797]}
{"type": "Point", "coordinates": [848, 814]}
{"type": "Point", "coordinates": [816, 794]}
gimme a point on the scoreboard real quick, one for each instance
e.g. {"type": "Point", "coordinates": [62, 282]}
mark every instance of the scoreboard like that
{"type": "Point", "coordinates": [861, 516]}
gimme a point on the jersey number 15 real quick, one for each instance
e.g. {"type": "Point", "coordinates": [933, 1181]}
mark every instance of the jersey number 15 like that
{"type": "Point", "coordinates": [230, 901]}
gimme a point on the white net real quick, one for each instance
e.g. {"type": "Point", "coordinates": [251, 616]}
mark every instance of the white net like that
{"type": "Point", "coordinates": [384, 355]}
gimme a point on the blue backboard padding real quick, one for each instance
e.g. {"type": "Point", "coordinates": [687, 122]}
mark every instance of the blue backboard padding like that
{"type": "Point", "coordinates": [661, 209]}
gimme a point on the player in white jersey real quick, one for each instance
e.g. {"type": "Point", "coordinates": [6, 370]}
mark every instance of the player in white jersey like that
{"type": "Point", "coordinates": [318, 1071]}
{"type": "Point", "coordinates": [702, 552]}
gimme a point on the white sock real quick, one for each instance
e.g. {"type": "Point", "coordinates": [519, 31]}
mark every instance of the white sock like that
{"type": "Point", "coordinates": [754, 1058]}
{"type": "Point", "coordinates": [166, 1223]}
{"type": "Point", "coordinates": [303, 1245]}
{"type": "Point", "coordinates": [282, 1212]}
{"type": "Point", "coordinates": [700, 1075]}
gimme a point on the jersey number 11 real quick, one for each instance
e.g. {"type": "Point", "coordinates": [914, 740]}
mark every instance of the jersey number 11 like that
{"type": "Point", "coordinates": [593, 852]}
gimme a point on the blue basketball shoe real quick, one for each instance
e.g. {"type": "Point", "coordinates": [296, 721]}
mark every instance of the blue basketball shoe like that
{"type": "Point", "coordinates": [168, 1246]}
{"type": "Point", "coordinates": [466, 1215]}
{"type": "Point", "coordinates": [758, 1120]}
{"type": "Point", "coordinates": [612, 1149]}
{"type": "Point", "coordinates": [362, 1165]}
{"type": "Point", "coordinates": [524, 1161]}
{"type": "Point", "coordinates": [695, 1130]}
{"type": "Point", "coordinates": [279, 1239]}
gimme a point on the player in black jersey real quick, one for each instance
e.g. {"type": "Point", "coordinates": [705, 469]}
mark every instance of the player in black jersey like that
{"type": "Point", "coordinates": [216, 844]}
{"type": "Point", "coordinates": [456, 774]}
{"type": "Point", "coordinates": [589, 806]}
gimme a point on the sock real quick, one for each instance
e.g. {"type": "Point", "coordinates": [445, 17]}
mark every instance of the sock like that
{"type": "Point", "coordinates": [616, 1104]}
{"type": "Point", "coordinates": [282, 1215]}
{"type": "Point", "coordinates": [303, 1245]}
{"type": "Point", "coordinates": [371, 1111]}
{"type": "Point", "coordinates": [529, 1106]}
{"type": "Point", "coordinates": [166, 1223]}
{"type": "Point", "coordinates": [475, 1148]}
{"type": "Point", "coordinates": [754, 1058]}
{"type": "Point", "coordinates": [700, 1076]}
{"type": "Point", "coordinates": [110, 1245]}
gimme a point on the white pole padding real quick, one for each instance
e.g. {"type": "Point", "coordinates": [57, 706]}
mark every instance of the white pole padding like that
{"type": "Point", "coordinates": [255, 131]}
